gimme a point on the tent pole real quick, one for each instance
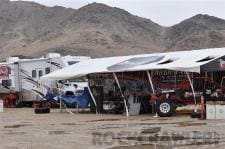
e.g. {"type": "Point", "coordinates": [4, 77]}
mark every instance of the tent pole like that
{"type": "Point", "coordinates": [77, 108]}
{"type": "Point", "coordinates": [150, 81]}
{"type": "Point", "coordinates": [175, 76]}
{"type": "Point", "coordinates": [212, 77]}
{"type": "Point", "coordinates": [60, 104]}
{"type": "Point", "coordinates": [153, 90]}
{"type": "Point", "coordinates": [206, 76]}
{"type": "Point", "coordinates": [93, 98]}
{"type": "Point", "coordinates": [193, 91]}
{"type": "Point", "coordinates": [124, 100]}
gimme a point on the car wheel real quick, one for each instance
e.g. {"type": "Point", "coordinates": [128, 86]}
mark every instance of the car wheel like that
{"type": "Point", "coordinates": [165, 108]}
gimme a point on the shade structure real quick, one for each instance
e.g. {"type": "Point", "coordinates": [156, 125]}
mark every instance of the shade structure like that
{"type": "Point", "coordinates": [204, 60]}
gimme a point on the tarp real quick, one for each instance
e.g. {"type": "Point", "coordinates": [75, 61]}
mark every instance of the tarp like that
{"type": "Point", "coordinates": [188, 61]}
{"type": "Point", "coordinates": [82, 100]}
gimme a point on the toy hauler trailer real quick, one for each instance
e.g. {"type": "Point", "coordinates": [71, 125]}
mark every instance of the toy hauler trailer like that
{"type": "Point", "coordinates": [22, 76]}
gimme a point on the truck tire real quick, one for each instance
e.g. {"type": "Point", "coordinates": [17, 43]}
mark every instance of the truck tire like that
{"type": "Point", "coordinates": [41, 110]}
{"type": "Point", "coordinates": [165, 108]}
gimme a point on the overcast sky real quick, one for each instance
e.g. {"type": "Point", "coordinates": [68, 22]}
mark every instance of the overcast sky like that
{"type": "Point", "coordinates": [163, 12]}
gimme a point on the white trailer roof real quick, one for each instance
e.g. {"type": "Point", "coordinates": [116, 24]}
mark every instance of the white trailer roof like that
{"type": "Point", "coordinates": [190, 61]}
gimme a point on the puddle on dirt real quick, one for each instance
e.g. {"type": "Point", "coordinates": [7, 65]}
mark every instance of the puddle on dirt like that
{"type": "Point", "coordinates": [125, 125]}
{"type": "Point", "coordinates": [144, 146]}
{"type": "Point", "coordinates": [108, 126]}
{"type": "Point", "coordinates": [160, 123]}
{"type": "Point", "coordinates": [37, 133]}
{"type": "Point", "coordinates": [141, 124]}
{"type": "Point", "coordinates": [56, 132]}
{"type": "Point", "coordinates": [151, 130]}
{"type": "Point", "coordinates": [97, 133]}
{"type": "Point", "coordinates": [17, 125]}
{"type": "Point", "coordinates": [102, 120]}
{"type": "Point", "coordinates": [26, 122]}
{"type": "Point", "coordinates": [154, 118]}
{"type": "Point", "coordinates": [148, 119]}
{"type": "Point", "coordinates": [147, 124]}
{"type": "Point", "coordinates": [163, 119]}
{"type": "Point", "coordinates": [183, 124]}
{"type": "Point", "coordinates": [15, 133]}
{"type": "Point", "coordinates": [71, 124]}
{"type": "Point", "coordinates": [179, 124]}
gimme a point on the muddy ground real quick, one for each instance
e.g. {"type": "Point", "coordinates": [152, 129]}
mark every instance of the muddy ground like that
{"type": "Point", "coordinates": [22, 129]}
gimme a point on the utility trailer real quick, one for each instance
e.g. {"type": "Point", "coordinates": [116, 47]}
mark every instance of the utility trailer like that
{"type": "Point", "coordinates": [22, 76]}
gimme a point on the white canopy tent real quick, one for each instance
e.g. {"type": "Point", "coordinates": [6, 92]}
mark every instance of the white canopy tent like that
{"type": "Point", "coordinates": [188, 61]}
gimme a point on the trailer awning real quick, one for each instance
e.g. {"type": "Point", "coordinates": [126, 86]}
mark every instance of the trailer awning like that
{"type": "Point", "coordinates": [189, 61]}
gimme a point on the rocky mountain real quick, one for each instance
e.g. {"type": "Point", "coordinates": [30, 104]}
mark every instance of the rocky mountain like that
{"type": "Point", "coordinates": [31, 29]}
{"type": "Point", "coordinates": [200, 31]}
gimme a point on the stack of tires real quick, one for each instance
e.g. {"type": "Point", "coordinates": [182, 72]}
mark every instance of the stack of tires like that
{"type": "Point", "coordinates": [41, 109]}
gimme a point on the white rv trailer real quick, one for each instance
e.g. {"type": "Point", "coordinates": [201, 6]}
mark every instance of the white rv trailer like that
{"type": "Point", "coordinates": [22, 75]}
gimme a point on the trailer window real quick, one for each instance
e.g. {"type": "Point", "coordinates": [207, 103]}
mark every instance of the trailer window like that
{"type": "Point", "coordinates": [40, 73]}
{"type": "Point", "coordinates": [7, 82]}
{"type": "Point", "coordinates": [47, 70]}
{"type": "Point", "coordinates": [34, 73]}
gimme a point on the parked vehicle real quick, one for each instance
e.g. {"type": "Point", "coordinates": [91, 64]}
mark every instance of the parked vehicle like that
{"type": "Point", "coordinates": [22, 76]}
{"type": "Point", "coordinates": [168, 97]}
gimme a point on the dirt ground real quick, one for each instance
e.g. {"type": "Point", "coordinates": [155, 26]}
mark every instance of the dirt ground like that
{"type": "Point", "coordinates": [22, 129]}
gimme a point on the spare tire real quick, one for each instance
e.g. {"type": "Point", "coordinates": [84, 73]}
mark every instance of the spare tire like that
{"type": "Point", "coordinates": [41, 110]}
{"type": "Point", "coordinates": [165, 108]}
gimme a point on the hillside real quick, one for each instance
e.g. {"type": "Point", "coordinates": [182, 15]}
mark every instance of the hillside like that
{"type": "Point", "coordinates": [97, 30]}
